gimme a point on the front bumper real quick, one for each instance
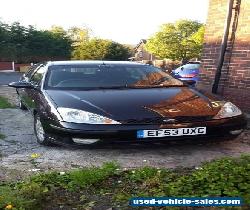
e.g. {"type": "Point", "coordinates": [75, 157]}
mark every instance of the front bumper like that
{"type": "Point", "coordinates": [193, 80]}
{"type": "Point", "coordinates": [65, 132]}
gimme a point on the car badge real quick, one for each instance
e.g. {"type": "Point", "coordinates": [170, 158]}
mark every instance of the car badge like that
{"type": "Point", "coordinates": [169, 120]}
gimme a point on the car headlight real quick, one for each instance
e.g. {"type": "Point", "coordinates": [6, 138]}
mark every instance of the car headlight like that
{"type": "Point", "coordinates": [228, 110]}
{"type": "Point", "coordinates": [80, 116]}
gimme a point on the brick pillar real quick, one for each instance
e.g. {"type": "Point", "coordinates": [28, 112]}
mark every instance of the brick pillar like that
{"type": "Point", "coordinates": [235, 79]}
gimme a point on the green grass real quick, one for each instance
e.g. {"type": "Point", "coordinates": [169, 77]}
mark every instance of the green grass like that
{"type": "Point", "coordinates": [109, 186]}
{"type": "Point", "coordinates": [4, 103]}
{"type": "Point", "coordinates": [2, 136]}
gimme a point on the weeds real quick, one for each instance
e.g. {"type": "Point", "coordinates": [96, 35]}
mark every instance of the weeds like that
{"type": "Point", "coordinates": [110, 186]}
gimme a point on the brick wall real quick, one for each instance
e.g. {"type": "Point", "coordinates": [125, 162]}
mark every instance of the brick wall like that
{"type": "Point", "coordinates": [8, 65]}
{"type": "Point", "coordinates": [235, 79]}
{"type": "Point", "coordinates": [5, 65]}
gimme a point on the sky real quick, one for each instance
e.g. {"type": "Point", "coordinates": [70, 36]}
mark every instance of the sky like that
{"type": "Point", "coordinates": [124, 21]}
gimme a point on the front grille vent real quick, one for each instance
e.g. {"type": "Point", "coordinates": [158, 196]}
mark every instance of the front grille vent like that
{"type": "Point", "coordinates": [162, 120]}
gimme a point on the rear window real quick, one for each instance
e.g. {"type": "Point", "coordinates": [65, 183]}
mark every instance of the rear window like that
{"type": "Point", "coordinates": [190, 66]}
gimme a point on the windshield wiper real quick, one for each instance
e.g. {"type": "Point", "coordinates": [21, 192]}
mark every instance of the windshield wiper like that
{"type": "Point", "coordinates": [124, 87]}
{"type": "Point", "coordinates": [159, 81]}
{"type": "Point", "coordinates": [135, 86]}
{"type": "Point", "coordinates": [111, 87]}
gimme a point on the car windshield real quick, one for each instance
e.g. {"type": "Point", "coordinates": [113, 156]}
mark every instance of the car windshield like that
{"type": "Point", "coordinates": [107, 76]}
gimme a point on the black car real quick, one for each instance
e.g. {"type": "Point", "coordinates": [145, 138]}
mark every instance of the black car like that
{"type": "Point", "coordinates": [84, 102]}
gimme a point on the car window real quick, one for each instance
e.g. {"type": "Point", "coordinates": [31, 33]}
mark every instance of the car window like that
{"type": "Point", "coordinates": [105, 76]}
{"type": "Point", "coordinates": [38, 75]}
{"type": "Point", "coordinates": [31, 70]}
{"type": "Point", "coordinates": [191, 66]}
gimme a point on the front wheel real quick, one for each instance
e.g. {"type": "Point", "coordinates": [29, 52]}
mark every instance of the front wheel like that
{"type": "Point", "coordinates": [41, 136]}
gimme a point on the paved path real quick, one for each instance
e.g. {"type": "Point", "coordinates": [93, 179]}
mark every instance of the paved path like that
{"type": "Point", "coordinates": [9, 76]}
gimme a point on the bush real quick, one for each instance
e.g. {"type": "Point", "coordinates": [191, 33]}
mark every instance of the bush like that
{"type": "Point", "coordinates": [224, 177]}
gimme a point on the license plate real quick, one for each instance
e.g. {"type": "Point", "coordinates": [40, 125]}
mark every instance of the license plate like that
{"type": "Point", "coordinates": [171, 132]}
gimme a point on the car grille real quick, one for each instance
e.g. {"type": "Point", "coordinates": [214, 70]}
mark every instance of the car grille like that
{"type": "Point", "coordinates": [144, 121]}
{"type": "Point", "coordinates": [162, 120]}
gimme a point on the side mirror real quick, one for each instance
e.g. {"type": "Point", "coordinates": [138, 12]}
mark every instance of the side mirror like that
{"type": "Point", "coordinates": [21, 84]}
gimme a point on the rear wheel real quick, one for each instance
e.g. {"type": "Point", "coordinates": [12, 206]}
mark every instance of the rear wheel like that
{"type": "Point", "coordinates": [41, 136]}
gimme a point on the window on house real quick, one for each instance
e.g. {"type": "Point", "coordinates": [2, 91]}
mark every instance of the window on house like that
{"type": "Point", "coordinates": [140, 54]}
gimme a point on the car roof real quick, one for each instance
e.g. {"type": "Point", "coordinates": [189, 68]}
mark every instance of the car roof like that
{"type": "Point", "coordinates": [92, 62]}
{"type": "Point", "coordinates": [193, 62]}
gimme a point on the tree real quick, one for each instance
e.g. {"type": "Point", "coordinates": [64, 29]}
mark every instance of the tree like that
{"type": "Point", "coordinates": [79, 35]}
{"type": "Point", "coordinates": [4, 45]}
{"type": "Point", "coordinates": [27, 44]}
{"type": "Point", "coordinates": [60, 43]}
{"type": "Point", "coordinates": [101, 49]}
{"type": "Point", "coordinates": [79, 38]}
{"type": "Point", "coordinates": [179, 41]}
{"type": "Point", "coordinates": [117, 51]}
{"type": "Point", "coordinates": [15, 46]}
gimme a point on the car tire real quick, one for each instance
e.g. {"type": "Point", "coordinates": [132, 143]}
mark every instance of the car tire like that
{"type": "Point", "coordinates": [41, 136]}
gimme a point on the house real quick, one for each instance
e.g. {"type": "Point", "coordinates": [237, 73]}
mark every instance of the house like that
{"type": "Point", "coordinates": [141, 54]}
{"type": "Point", "coordinates": [226, 52]}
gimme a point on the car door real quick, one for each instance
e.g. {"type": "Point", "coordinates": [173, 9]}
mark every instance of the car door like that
{"type": "Point", "coordinates": [22, 92]}
{"type": "Point", "coordinates": [26, 76]}
{"type": "Point", "coordinates": [31, 96]}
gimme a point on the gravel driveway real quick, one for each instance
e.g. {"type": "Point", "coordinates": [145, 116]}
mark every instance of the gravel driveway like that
{"type": "Point", "coordinates": [18, 146]}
